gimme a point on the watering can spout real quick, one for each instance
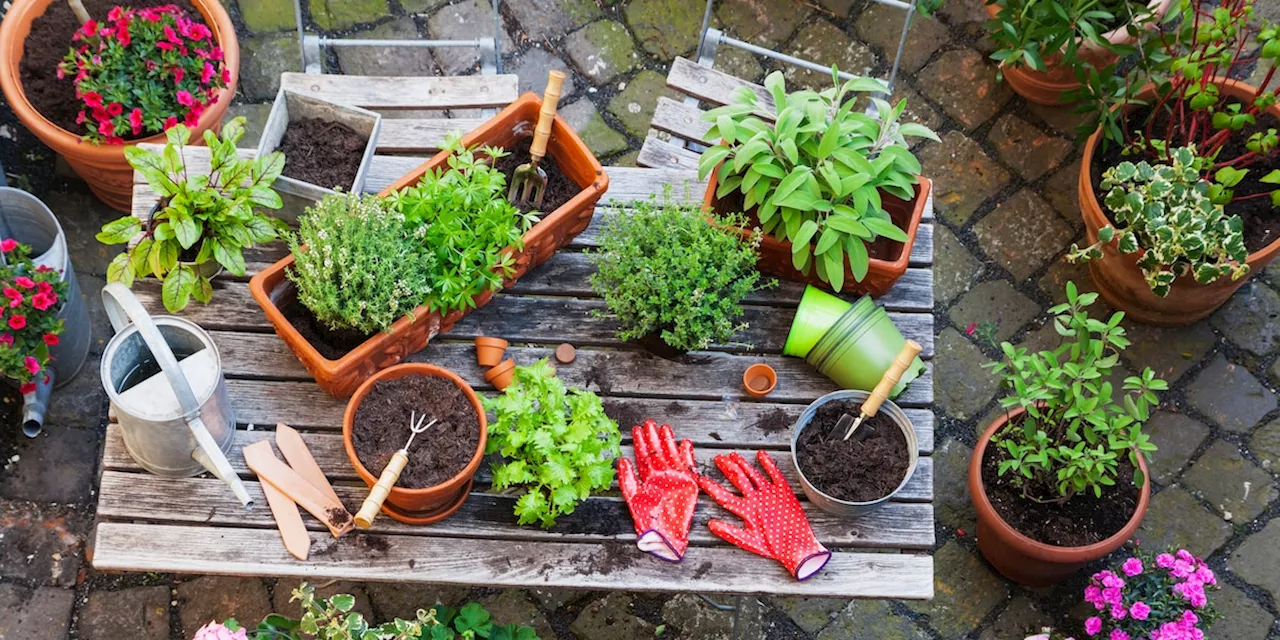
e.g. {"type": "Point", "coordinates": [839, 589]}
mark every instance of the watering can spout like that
{"type": "Point", "coordinates": [35, 404]}
{"type": "Point", "coordinates": [218, 465]}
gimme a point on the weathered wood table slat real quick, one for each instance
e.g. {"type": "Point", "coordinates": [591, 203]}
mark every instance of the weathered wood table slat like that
{"type": "Point", "coordinates": [148, 523]}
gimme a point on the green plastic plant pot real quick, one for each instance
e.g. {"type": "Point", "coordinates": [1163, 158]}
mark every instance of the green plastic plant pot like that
{"type": "Point", "coordinates": [817, 313]}
{"type": "Point", "coordinates": [861, 346]}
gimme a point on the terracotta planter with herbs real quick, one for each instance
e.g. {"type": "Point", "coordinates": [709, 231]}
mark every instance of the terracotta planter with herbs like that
{"type": "Point", "coordinates": [1117, 275]}
{"type": "Point", "coordinates": [103, 166]}
{"type": "Point", "coordinates": [340, 377]}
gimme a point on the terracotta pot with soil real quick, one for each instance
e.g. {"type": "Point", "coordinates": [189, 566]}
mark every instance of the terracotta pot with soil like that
{"type": "Point", "coordinates": [1117, 275]}
{"type": "Point", "coordinates": [41, 101]}
{"type": "Point", "coordinates": [576, 181]}
{"type": "Point", "coordinates": [442, 461]}
{"type": "Point", "coordinates": [1039, 544]}
{"type": "Point", "coordinates": [888, 258]}
{"type": "Point", "coordinates": [1049, 86]}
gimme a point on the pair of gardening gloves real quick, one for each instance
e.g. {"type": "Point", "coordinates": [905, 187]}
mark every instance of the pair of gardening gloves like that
{"type": "Point", "coordinates": [661, 490]}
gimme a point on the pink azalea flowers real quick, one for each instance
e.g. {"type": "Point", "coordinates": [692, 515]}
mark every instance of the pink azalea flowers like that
{"type": "Point", "coordinates": [1160, 598]}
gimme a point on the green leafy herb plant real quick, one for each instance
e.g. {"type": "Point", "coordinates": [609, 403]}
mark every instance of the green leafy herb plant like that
{"type": "Point", "coordinates": [815, 175]}
{"type": "Point", "coordinates": [203, 219]}
{"type": "Point", "coordinates": [667, 268]}
{"type": "Point", "coordinates": [1167, 212]}
{"type": "Point", "coordinates": [1069, 34]}
{"type": "Point", "coordinates": [557, 443]}
{"type": "Point", "coordinates": [1076, 430]}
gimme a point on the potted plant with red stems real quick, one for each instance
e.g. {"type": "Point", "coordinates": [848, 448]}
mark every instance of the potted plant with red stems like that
{"type": "Point", "coordinates": [1188, 100]}
{"type": "Point", "coordinates": [91, 84]}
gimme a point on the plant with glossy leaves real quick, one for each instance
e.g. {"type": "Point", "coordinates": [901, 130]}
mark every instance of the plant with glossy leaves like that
{"type": "Point", "coordinates": [1035, 33]}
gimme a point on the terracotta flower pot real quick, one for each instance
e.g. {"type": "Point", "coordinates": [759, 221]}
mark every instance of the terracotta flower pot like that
{"type": "Point", "coordinates": [431, 504]}
{"type": "Point", "coordinates": [502, 375]}
{"type": "Point", "coordinates": [410, 334]}
{"type": "Point", "coordinates": [1047, 87]}
{"type": "Point", "coordinates": [103, 167]}
{"type": "Point", "coordinates": [1117, 275]}
{"type": "Point", "coordinates": [775, 255]}
{"type": "Point", "coordinates": [489, 351]}
{"type": "Point", "coordinates": [759, 380]}
{"type": "Point", "coordinates": [1022, 559]}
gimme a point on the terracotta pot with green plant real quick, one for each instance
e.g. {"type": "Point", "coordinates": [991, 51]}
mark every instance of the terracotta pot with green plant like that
{"type": "Point", "coordinates": [1060, 479]}
{"type": "Point", "coordinates": [836, 191]}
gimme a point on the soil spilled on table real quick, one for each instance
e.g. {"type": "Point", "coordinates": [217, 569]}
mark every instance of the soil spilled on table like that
{"type": "Point", "coordinates": [627, 415]}
{"type": "Point", "coordinates": [866, 467]}
{"type": "Point", "coordinates": [332, 344]}
{"type": "Point", "coordinates": [560, 187]}
{"type": "Point", "coordinates": [326, 154]}
{"type": "Point", "coordinates": [774, 421]}
{"type": "Point", "coordinates": [55, 98]}
{"type": "Point", "coordinates": [382, 427]}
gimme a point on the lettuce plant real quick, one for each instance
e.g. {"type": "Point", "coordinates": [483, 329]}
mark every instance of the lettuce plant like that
{"type": "Point", "coordinates": [815, 175]}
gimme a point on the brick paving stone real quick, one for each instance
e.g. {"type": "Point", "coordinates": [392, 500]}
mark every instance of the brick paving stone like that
{"type": "Point", "coordinates": [1265, 445]}
{"type": "Point", "coordinates": [694, 618]}
{"type": "Point", "coordinates": [1030, 151]}
{"type": "Point", "coordinates": [634, 105]}
{"type": "Point", "coordinates": [602, 50]}
{"type": "Point", "coordinates": [1062, 191]}
{"type": "Point", "coordinates": [421, 6]}
{"type": "Point", "coordinates": [1023, 617]}
{"type": "Point", "coordinates": [838, 7]}
{"type": "Point", "coordinates": [255, 119]}
{"type": "Point", "coordinates": [465, 20]}
{"type": "Point", "coordinates": [1175, 519]}
{"type": "Point", "coordinates": [1230, 395]}
{"type": "Point", "coordinates": [871, 620]}
{"type": "Point", "coordinates": [41, 545]}
{"type": "Point", "coordinates": [513, 606]}
{"type": "Point", "coordinates": [1060, 272]}
{"type": "Point", "coordinates": [826, 43]}
{"type": "Point", "coordinates": [551, 19]}
{"type": "Point", "coordinates": [35, 613]}
{"type": "Point", "coordinates": [951, 485]}
{"type": "Point", "coordinates": [764, 22]}
{"type": "Point", "coordinates": [402, 600]}
{"type": "Point", "coordinates": [954, 268]}
{"type": "Point", "coordinates": [1062, 119]}
{"type": "Point", "coordinates": [219, 597]}
{"type": "Point", "coordinates": [1023, 234]}
{"type": "Point", "coordinates": [82, 216]}
{"type": "Point", "coordinates": [965, 591]}
{"type": "Point", "coordinates": [56, 466]}
{"type": "Point", "coordinates": [739, 64]}
{"type": "Point", "coordinates": [625, 160]}
{"type": "Point", "coordinates": [881, 26]}
{"type": "Point", "coordinates": [140, 613]}
{"type": "Point", "coordinates": [1169, 351]}
{"type": "Point", "coordinates": [998, 302]}
{"type": "Point", "coordinates": [1042, 338]}
{"type": "Point", "coordinates": [1272, 274]}
{"type": "Point", "coordinates": [335, 15]}
{"type": "Point", "coordinates": [553, 599]}
{"type": "Point", "coordinates": [917, 110]}
{"type": "Point", "coordinates": [592, 128]}
{"type": "Point", "coordinates": [1257, 561]}
{"type": "Point", "coordinates": [1237, 488]}
{"type": "Point", "coordinates": [263, 59]}
{"type": "Point", "coordinates": [963, 176]}
{"type": "Point", "coordinates": [963, 386]}
{"type": "Point", "coordinates": [83, 402]}
{"type": "Point", "coordinates": [263, 16]}
{"type": "Point", "coordinates": [965, 16]}
{"type": "Point", "coordinates": [1250, 318]}
{"type": "Point", "coordinates": [532, 68]}
{"type": "Point", "coordinates": [388, 61]}
{"type": "Point", "coordinates": [283, 592]}
{"type": "Point", "coordinates": [610, 617]}
{"type": "Point", "coordinates": [665, 28]}
{"type": "Point", "coordinates": [964, 83]}
{"type": "Point", "coordinates": [1242, 618]}
{"type": "Point", "coordinates": [1177, 436]}
{"type": "Point", "coordinates": [810, 614]}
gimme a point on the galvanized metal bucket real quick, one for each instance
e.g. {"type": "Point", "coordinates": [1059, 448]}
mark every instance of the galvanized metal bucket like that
{"type": "Point", "coordinates": [845, 508]}
{"type": "Point", "coordinates": [177, 429]}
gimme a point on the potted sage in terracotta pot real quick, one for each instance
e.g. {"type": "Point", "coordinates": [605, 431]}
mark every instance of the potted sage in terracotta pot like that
{"type": "Point", "coordinates": [1060, 478]}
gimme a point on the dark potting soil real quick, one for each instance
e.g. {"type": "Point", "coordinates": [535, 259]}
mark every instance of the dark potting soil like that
{"type": "Point", "coordinates": [55, 98]}
{"type": "Point", "coordinates": [1083, 520]}
{"type": "Point", "coordinates": [382, 421]}
{"type": "Point", "coordinates": [330, 343]}
{"type": "Point", "coordinates": [627, 415]}
{"type": "Point", "coordinates": [860, 469]}
{"type": "Point", "coordinates": [326, 154]}
{"type": "Point", "coordinates": [775, 421]}
{"type": "Point", "coordinates": [1261, 221]}
{"type": "Point", "coordinates": [338, 517]}
{"type": "Point", "coordinates": [560, 187]}
{"type": "Point", "coordinates": [881, 249]}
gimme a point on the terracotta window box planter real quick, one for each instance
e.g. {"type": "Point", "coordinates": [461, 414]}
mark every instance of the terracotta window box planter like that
{"type": "Point", "coordinates": [775, 255]}
{"type": "Point", "coordinates": [1117, 275]}
{"type": "Point", "coordinates": [340, 377]}
{"type": "Point", "coordinates": [103, 167]}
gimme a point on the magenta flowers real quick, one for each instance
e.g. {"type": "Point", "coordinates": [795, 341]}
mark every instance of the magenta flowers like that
{"type": "Point", "coordinates": [29, 307]}
{"type": "Point", "coordinates": [1160, 598]}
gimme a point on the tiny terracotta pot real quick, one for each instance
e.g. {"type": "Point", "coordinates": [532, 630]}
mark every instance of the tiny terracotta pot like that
{"type": "Point", "coordinates": [430, 504]}
{"type": "Point", "coordinates": [1117, 275]}
{"type": "Point", "coordinates": [1026, 561]}
{"type": "Point", "coordinates": [502, 375]}
{"type": "Point", "coordinates": [489, 351]}
{"type": "Point", "coordinates": [759, 380]}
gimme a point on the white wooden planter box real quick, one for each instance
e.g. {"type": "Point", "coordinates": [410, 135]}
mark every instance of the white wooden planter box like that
{"type": "Point", "coordinates": [290, 107]}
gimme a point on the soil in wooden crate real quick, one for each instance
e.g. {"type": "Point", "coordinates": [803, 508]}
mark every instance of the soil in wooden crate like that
{"type": "Point", "coordinates": [326, 154]}
{"type": "Point", "coordinates": [382, 421]}
{"type": "Point", "coordinates": [863, 468]}
{"type": "Point", "coordinates": [55, 98]}
{"type": "Point", "coordinates": [332, 344]}
{"type": "Point", "coordinates": [560, 187]}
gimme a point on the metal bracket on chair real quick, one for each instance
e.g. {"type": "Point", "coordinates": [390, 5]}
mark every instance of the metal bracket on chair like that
{"type": "Point", "coordinates": [489, 60]}
{"type": "Point", "coordinates": [312, 62]}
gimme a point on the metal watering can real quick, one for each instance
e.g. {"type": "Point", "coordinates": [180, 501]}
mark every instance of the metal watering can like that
{"type": "Point", "coordinates": [176, 416]}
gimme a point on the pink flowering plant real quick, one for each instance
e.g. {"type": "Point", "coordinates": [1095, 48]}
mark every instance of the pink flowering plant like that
{"type": "Point", "coordinates": [29, 323]}
{"type": "Point", "coordinates": [142, 71]}
{"type": "Point", "coordinates": [1152, 597]}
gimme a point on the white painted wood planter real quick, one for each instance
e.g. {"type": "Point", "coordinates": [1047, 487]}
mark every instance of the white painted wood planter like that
{"type": "Point", "coordinates": [291, 107]}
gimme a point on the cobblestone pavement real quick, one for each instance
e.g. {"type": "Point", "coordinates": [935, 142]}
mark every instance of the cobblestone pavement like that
{"type": "Point", "coordinates": [1005, 176]}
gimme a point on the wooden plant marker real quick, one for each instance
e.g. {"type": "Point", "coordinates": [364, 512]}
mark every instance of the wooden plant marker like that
{"type": "Point", "coordinates": [299, 457]}
{"type": "Point", "coordinates": [271, 470]}
{"type": "Point", "coordinates": [289, 521]}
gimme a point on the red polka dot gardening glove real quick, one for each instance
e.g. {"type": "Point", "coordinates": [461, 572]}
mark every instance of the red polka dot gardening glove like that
{"type": "Point", "coordinates": [774, 524]}
{"type": "Point", "coordinates": [663, 498]}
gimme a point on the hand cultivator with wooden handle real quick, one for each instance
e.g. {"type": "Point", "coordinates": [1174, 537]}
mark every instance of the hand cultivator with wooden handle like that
{"type": "Point", "coordinates": [529, 180]}
{"type": "Point", "coordinates": [378, 494]}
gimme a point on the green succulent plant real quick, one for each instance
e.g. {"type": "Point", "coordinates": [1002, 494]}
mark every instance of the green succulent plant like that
{"type": "Point", "coordinates": [1167, 211]}
{"type": "Point", "coordinates": [815, 175]}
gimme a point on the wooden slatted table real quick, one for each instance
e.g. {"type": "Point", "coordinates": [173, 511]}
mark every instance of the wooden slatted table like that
{"type": "Point", "coordinates": [194, 525]}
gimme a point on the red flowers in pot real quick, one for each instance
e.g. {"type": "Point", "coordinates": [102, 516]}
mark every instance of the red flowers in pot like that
{"type": "Point", "coordinates": [29, 324]}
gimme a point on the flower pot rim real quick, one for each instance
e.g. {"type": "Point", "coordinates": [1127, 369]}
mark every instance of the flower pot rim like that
{"type": "Point", "coordinates": [759, 369]}
{"type": "Point", "coordinates": [14, 31]}
{"type": "Point", "coordinates": [499, 369]}
{"type": "Point", "coordinates": [1039, 550]}
{"type": "Point", "coordinates": [424, 370]}
{"type": "Point", "coordinates": [490, 341]}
